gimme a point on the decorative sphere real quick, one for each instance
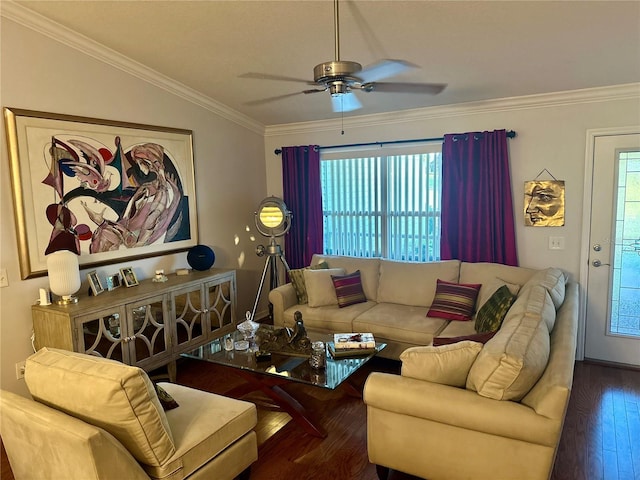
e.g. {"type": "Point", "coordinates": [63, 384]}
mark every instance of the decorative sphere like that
{"type": "Point", "coordinates": [201, 257]}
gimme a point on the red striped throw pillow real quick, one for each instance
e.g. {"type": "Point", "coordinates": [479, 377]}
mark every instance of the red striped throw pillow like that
{"type": "Point", "coordinates": [454, 301]}
{"type": "Point", "coordinates": [348, 289]}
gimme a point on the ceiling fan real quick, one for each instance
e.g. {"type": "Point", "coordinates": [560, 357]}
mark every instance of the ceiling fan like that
{"type": "Point", "coordinates": [341, 77]}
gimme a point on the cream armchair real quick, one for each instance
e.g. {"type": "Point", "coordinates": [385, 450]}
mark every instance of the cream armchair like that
{"type": "Point", "coordinates": [93, 418]}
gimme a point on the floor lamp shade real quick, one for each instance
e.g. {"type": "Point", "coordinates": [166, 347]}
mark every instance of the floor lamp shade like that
{"type": "Point", "coordinates": [64, 275]}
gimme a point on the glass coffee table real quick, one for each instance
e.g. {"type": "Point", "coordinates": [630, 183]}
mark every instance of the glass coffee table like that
{"type": "Point", "coordinates": [269, 375]}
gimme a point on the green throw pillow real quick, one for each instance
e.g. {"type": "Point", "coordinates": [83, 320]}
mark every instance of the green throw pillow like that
{"type": "Point", "coordinates": [492, 313]}
{"type": "Point", "coordinates": [297, 280]}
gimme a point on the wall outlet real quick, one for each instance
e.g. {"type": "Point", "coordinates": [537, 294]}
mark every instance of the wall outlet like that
{"type": "Point", "coordinates": [20, 366]}
{"type": "Point", "coordinates": [4, 280]}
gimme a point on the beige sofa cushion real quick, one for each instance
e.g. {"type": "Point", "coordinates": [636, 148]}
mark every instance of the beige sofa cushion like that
{"type": "Point", "coordinates": [108, 394]}
{"type": "Point", "coordinates": [446, 364]}
{"type": "Point", "coordinates": [400, 323]}
{"type": "Point", "coordinates": [320, 289]}
{"type": "Point", "coordinates": [44, 443]}
{"type": "Point", "coordinates": [553, 280]}
{"type": "Point", "coordinates": [484, 273]}
{"type": "Point", "coordinates": [511, 362]}
{"type": "Point", "coordinates": [203, 426]}
{"type": "Point", "coordinates": [413, 284]}
{"type": "Point", "coordinates": [369, 270]}
{"type": "Point", "coordinates": [534, 300]}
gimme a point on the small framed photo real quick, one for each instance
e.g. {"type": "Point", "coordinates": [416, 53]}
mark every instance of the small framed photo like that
{"type": "Point", "coordinates": [113, 281]}
{"type": "Point", "coordinates": [94, 281]}
{"type": "Point", "coordinates": [128, 277]}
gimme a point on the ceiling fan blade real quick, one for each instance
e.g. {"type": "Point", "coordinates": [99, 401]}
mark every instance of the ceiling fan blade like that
{"type": "Point", "coordinates": [345, 102]}
{"type": "Point", "coordinates": [266, 76]}
{"type": "Point", "coordinates": [384, 69]}
{"type": "Point", "coordinates": [400, 87]}
{"type": "Point", "coordinates": [314, 90]}
{"type": "Point", "coordinates": [271, 99]}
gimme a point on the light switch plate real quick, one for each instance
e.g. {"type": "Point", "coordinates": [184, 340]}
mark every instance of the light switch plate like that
{"type": "Point", "coordinates": [556, 243]}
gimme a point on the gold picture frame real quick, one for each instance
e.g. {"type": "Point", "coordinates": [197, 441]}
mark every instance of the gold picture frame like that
{"type": "Point", "coordinates": [129, 277]}
{"type": "Point", "coordinates": [94, 283]}
{"type": "Point", "coordinates": [106, 190]}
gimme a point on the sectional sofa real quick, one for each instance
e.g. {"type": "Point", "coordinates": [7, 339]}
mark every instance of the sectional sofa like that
{"type": "Point", "coordinates": [476, 406]}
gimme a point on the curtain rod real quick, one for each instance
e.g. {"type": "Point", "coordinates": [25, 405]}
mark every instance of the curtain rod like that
{"type": "Point", "coordinates": [278, 151]}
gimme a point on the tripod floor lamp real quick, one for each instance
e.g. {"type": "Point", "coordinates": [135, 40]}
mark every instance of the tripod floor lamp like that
{"type": "Point", "coordinates": [273, 220]}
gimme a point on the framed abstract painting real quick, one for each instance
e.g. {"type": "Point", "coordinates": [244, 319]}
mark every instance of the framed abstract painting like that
{"type": "Point", "coordinates": [105, 190]}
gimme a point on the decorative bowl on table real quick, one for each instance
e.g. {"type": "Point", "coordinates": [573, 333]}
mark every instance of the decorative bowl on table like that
{"type": "Point", "coordinates": [248, 329]}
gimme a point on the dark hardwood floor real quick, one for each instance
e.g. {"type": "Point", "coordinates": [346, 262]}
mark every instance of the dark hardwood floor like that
{"type": "Point", "coordinates": [601, 437]}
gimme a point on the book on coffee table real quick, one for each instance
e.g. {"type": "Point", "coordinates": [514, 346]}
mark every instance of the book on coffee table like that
{"type": "Point", "coordinates": [350, 352]}
{"type": "Point", "coordinates": [349, 341]}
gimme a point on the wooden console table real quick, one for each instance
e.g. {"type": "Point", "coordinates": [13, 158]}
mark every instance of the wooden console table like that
{"type": "Point", "coordinates": [148, 325]}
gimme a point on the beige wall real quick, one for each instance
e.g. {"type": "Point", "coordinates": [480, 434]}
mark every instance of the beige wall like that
{"type": "Point", "coordinates": [551, 133]}
{"type": "Point", "coordinates": [39, 73]}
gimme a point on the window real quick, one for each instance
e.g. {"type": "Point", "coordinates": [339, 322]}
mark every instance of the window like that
{"type": "Point", "coordinates": [383, 206]}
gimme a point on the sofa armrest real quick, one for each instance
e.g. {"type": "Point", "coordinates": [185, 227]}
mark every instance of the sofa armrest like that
{"type": "Point", "coordinates": [282, 298]}
{"type": "Point", "coordinates": [458, 407]}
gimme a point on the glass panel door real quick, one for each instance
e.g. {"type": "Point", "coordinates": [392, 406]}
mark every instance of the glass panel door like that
{"type": "Point", "coordinates": [188, 311]}
{"type": "Point", "coordinates": [221, 307]}
{"type": "Point", "coordinates": [150, 336]}
{"type": "Point", "coordinates": [612, 328]}
{"type": "Point", "coordinates": [101, 334]}
{"type": "Point", "coordinates": [625, 294]}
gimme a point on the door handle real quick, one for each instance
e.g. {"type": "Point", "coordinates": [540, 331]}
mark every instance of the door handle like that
{"type": "Point", "coordinates": [598, 263]}
{"type": "Point", "coordinates": [597, 247]}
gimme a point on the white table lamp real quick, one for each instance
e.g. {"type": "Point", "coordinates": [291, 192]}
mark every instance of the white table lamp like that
{"type": "Point", "coordinates": [64, 275]}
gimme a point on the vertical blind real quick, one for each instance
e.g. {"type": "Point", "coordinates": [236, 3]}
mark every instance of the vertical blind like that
{"type": "Point", "coordinates": [382, 206]}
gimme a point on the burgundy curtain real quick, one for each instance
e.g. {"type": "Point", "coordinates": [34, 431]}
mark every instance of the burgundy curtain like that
{"type": "Point", "coordinates": [477, 206]}
{"type": "Point", "coordinates": [302, 194]}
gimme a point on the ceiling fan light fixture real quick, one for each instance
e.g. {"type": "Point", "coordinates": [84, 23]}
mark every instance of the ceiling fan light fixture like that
{"type": "Point", "coordinates": [338, 87]}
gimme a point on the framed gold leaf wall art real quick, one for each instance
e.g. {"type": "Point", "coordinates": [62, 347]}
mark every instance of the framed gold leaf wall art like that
{"type": "Point", "coordinates": [544, 203]}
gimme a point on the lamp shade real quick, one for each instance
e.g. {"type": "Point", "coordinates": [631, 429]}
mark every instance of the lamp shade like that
{"type": "Point", "coordinates": [64, 275]}
{"type": "Point", "coordinates": [273, 219]}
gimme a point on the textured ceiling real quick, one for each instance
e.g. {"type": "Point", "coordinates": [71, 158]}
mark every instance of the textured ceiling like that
{"type": "Point", "coordinates": [482, 50]}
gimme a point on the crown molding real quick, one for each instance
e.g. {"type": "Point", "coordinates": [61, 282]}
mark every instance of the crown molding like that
{"type": "Point", "coordinates": [61, 34]}
{"type": "Point", "coordinates": [629, 91]}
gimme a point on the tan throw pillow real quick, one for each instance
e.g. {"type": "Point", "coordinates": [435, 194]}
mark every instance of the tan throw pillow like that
{"type": "Point", "coordinates": [320, 289]}
{"type": "Point", "coordinates": [297, 280]}
{"type": "Point", "coordinates": [111, 395]}
{"type": "Point", "coordinates": [446, 364]}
